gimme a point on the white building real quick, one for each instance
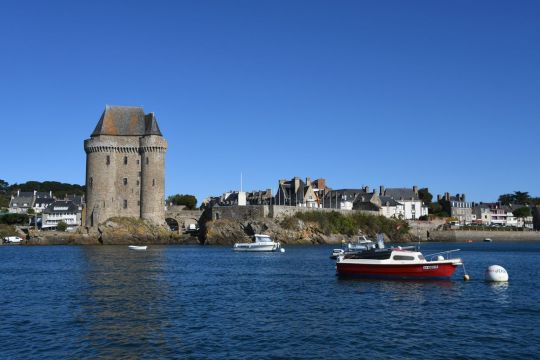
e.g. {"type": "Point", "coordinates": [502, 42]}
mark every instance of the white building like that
{"type": "Point", "coordinates": [61, 210]}
{"type": "Point", "coordinates": [413, 207]}
{"type": "Point", "coordinates": [392, 209]}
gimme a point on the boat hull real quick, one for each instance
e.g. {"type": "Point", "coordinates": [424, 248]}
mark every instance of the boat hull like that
{"type": "Point", "coordinates": [255, 248]}
{"type": "Point", "coordinates": [425, 271]}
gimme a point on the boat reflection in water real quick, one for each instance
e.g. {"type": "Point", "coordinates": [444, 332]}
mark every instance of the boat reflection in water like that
{"type": "Point", "coordinates": [123, 308]}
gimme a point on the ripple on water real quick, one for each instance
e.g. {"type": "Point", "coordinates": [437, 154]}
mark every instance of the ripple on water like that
{"type": "Point", "coordinates": [208, 302]}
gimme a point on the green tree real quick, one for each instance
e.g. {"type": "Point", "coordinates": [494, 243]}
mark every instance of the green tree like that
{"type": "Point", "coordinates": [30, 211]}
{"type": "Point", "coordinates": [425, 196]}
{"type": "Point", "coordinates": [189, 201]}
{"type": "Point", "coordinates": [522, 212]}
{"type": "Point", "coordinates": [62, 226]}
{"type": "Point", "coordinates": [14, 219]}
{"type": "Point", "coordinates": [521, 197]}
{"type": "Point", "coordinates": [506, 199]}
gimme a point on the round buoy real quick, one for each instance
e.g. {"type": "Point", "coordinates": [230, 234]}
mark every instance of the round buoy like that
{"type": "Point", "coordinates": [496, 273]}
{"type": "Point", "coordinates": [282, 250]}
{"type": "Point", "coordinates": [466, 277]}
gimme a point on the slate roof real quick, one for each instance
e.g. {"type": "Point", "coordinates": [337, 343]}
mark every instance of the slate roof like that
{"type": "Point", "coordinates": [389, 200]}
{"type": "Point", "coordinates": [44, 200]}
{"type": "Point", "coordinates": [22, 199]}
{"type": "Point", "coordinates": [54, 207]}
{"type": "Point", "coordinates": [126, 121]}
{"type": "Point", "coordinates": [349, 193]}
{"type": "Point", "coordinates": [401, 193]}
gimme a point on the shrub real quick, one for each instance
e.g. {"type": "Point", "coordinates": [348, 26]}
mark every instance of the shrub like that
{"type": "Point", "coordinates": [14, 219]}
{"type": "Point", "coordinates": [62, 226]}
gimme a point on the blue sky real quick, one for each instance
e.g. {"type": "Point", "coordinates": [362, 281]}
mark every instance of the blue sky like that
{"type": "Point", "coordinates": [444, 94]}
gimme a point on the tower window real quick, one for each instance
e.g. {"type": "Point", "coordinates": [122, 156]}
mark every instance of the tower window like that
{"type": "Point", "coordinates": [125, 160]}
{"type": "Point", "coordinates": [146, 161]}
{"type": "Point", "coordinates": [108, 160]}
{"type": "Point", "coordinates": [137, 182]}
{"type": "Point", "coordinates": [125, 181]}
{"type": "Point", "coordinates": [125, 204]}
{"type": "Point", "coordinates": [91, 182]}
{"type": "Point", "coordinates": [137, 161]}
{"type": "Point", "coordinates": [153, 182]}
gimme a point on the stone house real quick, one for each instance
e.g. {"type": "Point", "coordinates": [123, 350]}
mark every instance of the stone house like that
{"type": "Point", "coordinates": [25, 200]}
{"type": "Point", "coordinates": [457, 207]}
{"type": "Point", "coordinates": [296, 192]}
{"type": "Point", "coordinates": [413, 206]}
{"type": "Point", "coordinates": [261, 197]}
{"type": "Point", "coordinates": [343, 199]}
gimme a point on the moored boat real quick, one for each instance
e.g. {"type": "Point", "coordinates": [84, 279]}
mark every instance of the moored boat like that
{"type": "Point", "coordinates": [397, 263]}
{"type": "Point", "coordinates": [261, 243]}
{"type": "Point", "coordinates": [137, 247]}
{"type": "Point", "coordinates": [336, 253]}
{"type": "Point", "coordinates": [488, 240]}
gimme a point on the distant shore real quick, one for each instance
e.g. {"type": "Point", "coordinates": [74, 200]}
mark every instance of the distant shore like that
{"type": "Point", "coordinates": [56, 238]}
{"type": "Point", "coordinates": [472, 235]}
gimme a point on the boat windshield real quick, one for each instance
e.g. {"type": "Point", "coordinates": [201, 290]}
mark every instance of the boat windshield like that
{"type": "Point", "coordinates": [263, 239]}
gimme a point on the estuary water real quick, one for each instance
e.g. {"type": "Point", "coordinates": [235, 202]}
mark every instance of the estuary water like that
{"type": "Point", "coordinates": [209, 302]}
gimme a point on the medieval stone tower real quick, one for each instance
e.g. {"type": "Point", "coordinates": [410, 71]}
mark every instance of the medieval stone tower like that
{"type": "Point", "coordinates": [125, 167]}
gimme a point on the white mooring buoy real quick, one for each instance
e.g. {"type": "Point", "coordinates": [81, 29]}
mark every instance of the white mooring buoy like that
{"type": "Point", "coordinates": [496, 273]}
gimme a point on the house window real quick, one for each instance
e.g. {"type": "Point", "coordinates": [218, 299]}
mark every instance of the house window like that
{"type": "Point", "coordinates": [125, 181]}
{"type": "Point", "coordinates": [125, 160]}
{"type": "Point", "coordinates": [125, 204]}
{"type": "Point", "coordinates": [108, 160]}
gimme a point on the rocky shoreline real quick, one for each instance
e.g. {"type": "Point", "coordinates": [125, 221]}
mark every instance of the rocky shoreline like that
{"type": "Point", "coordinates": [225, 232]}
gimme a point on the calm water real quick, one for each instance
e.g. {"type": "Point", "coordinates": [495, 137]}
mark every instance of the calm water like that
{"type": "Point", "coordinates": [208, 302]}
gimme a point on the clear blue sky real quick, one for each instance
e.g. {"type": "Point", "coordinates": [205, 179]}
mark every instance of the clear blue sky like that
{"type": "Point", "coordinates": [444, 94]}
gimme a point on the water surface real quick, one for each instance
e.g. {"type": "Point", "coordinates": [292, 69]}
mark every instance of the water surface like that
{"type": "Point", "coordinates": [209, 302]}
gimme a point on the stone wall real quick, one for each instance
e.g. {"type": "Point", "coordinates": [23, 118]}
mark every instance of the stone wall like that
{"type": "Point", "coordinates": [466, 235]}
{"type": "Point", "coordinates": [272, 211]}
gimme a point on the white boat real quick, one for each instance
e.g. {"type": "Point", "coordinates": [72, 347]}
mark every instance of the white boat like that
{"type": "Point", "coordinates": [362, 243]}
{"type": "Point", "coordinates": [488, 240]}
{"type": "Point", "coordinates": [137, 247]}
{"type": "Point", "coordinates": [261, 243]}
{"type": "Point", "coordinates": [12, 240]}
{"type": "Point", "coordinates": [336, 253]}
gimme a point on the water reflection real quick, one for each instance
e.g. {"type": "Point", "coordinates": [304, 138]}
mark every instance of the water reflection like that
{"type": "Point", "coordinates": [500, 292]}
{"type": "Point", "coordinates": [124, 302]}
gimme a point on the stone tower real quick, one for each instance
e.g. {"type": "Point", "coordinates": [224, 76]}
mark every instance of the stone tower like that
{"type": "Point", "coordinates": [125, 167]}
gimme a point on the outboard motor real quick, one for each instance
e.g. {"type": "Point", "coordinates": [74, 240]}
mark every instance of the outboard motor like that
{"type": "Point", "coordinates": [380, 241]}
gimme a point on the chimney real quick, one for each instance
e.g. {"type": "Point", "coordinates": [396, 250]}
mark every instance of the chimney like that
{"type": "Point", "coordinates": [415, 189]}
{"type": "Point", "coordinates": [463, 197]}
{"type": "Point", "coordinates": [438, 197]}
{"type": "Point", "coordinates": [18, 192]}
{"type": "Point", "coordinates": [381, 190]}
{"type": "Point", "coordinates": [447, 196]}
{"type": "Point", "coordinates": [308, 181]}
{"type": "Point", "coordinates": [366, 189]}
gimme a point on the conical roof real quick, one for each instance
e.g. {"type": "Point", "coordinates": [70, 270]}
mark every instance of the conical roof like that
{"type": "Point", "coordinates": [126, 121]}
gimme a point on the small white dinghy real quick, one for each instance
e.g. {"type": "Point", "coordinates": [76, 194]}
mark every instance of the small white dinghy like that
{"type": "Point", "coordinates": [137, 247]}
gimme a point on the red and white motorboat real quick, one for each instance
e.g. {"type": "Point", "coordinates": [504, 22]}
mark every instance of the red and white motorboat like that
{"type": "Point", "coordinates": [397, 263]}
